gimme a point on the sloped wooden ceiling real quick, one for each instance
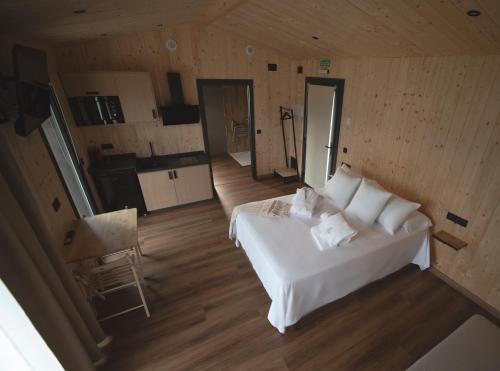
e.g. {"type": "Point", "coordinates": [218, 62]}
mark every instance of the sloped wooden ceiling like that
{"type": "Point", "coordinates": [55, 21]}
{"type": "Point", "coordinates": [345, 28]}
{"type": "Point", "coordinates": [385, 28]}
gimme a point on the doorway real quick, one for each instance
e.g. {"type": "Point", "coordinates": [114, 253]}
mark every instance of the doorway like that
{"type": "Point", "coordinates": [322, 113]}
{"type": "Point", "coordinates": [226, 108]}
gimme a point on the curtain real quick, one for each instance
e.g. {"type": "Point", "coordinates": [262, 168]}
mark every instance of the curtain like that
{"type": "Point", "coordinates": [36, 275]}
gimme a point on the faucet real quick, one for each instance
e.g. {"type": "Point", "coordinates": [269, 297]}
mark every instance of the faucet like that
{"type": "Point", "coordinates": [152, 150]}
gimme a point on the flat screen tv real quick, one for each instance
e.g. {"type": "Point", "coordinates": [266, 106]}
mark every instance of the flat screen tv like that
{"type": "Point", "coordinates": [33, 90]}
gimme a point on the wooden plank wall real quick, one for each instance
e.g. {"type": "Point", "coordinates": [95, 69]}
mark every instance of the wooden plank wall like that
{"type": "Point", "coordinates": [429, 130]}
{"type": "Point", "coordinates": [29, 169]}
{"type": "Point", "coordinates": [201, 53]}
{"type": "Point", "coordinates": [236, 109]}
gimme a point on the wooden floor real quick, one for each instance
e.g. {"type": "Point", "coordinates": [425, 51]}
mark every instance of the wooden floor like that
{"type": "Point", "coordinates": [209, 309]}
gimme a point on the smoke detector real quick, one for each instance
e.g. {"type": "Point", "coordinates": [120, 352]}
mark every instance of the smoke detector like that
{"type": "Point", "coordinates": [250, 50]}
{"type": "Point", "coordinates": [171, 45]}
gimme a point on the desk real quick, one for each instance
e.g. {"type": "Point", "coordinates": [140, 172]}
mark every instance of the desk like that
{"type": "Point", "coordinates": [103, 234]}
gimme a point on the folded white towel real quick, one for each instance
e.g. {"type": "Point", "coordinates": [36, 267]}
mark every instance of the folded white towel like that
{"type": "Point", "coordinates": [304, 202]}
{"type": "Point", "coordinates": [332, 231]}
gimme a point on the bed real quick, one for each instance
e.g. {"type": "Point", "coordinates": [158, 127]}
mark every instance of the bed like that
{"type": "Point", "coordinates": [300, 278]}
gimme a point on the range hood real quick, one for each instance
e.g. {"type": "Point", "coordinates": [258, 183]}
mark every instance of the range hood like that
{"type": "Point", "coordinates": [178, 112]}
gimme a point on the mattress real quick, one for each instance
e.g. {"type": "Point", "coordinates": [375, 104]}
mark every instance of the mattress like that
{"type": "Point", "coordinates": [300, 278]}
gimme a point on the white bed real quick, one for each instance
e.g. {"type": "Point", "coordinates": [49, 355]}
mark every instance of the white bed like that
{"type": "Point", "coordinates": [300, 278]}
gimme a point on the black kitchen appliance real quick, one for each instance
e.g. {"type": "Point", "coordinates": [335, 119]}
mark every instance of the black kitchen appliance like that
{"type": "Point", "coordinates": [117, 183]}
{"type": "Point", "coordinates": [178, 112]}
{"type": "Point", "coordinates": [96, 110]}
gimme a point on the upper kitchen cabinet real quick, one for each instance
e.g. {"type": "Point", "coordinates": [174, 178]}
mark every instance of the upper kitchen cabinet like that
{"type": "Point", "coordinates": [136, 96]}
{"type": "Point", "coordinates": [89, 83]}
{"type": "Point", "coordinates": [102, 98]}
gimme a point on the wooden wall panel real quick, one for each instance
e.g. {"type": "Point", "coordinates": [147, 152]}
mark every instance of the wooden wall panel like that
{"type": "Point", "coordinates": [201, 53]}
{"type": "Point", "coordinates": [27, 167]}
{"type": "Point", "coordinates": [429, 129]}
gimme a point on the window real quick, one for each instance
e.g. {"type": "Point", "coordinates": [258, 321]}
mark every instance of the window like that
{"type": "Point", "coordinates": [66, 161]}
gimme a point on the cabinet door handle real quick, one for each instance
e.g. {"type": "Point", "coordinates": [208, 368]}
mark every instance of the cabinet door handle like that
{"type": "Point", "coordinates": [175, 174]}
{"type": "Point", "coordinates": [170, 175]}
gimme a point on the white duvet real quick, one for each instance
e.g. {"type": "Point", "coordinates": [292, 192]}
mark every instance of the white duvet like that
{"type": "Point", "coordinates": [300, 278]}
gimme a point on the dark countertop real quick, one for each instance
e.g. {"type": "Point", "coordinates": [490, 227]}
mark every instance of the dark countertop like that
{"type": "Point", "coordinates": [175, 161]}
{"type": "Point", "coordinates": [129, 162]}
{"type": "Point", "coordinates": [114, 163]}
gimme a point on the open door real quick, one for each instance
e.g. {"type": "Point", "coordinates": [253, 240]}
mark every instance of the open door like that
{"type": "Point", "coordinates": [321, 129]}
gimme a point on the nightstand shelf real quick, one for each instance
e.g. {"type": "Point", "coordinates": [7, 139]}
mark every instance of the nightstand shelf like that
{"type": "Point", "coordinates": [450, 240]}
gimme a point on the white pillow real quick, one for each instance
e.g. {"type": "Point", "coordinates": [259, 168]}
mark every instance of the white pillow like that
{"type": "Point", "coordinates": [395, 213]}
{"type": "Point", "coordinates": [416, 222]}
{"type": "Point", "coordinates": [332, 231]}
{"type": "Point", "coordinates": [368, 202]}
{"type": "Point", "coordinates": [341, 187]}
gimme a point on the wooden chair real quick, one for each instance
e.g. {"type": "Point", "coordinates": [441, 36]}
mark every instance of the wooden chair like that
{"type": "Point", "coordinates": [118, 272]}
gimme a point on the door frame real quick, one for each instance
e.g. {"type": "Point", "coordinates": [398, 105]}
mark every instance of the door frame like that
{"type": "Point", "coordinates": [339, 96]}
{"type": "Point", "coordinates": [200, 83]}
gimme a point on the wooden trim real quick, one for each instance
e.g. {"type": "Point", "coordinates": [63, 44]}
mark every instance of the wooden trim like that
{"type": "Point", "coordinates": [476, 299]}
{"type": "Point", "coordinates": [339, 98]}
{"type": "Point", "coordinates": [200, 83]}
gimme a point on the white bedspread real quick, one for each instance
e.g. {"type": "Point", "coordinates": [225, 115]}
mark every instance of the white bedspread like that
{"type": "Point", "coordinates": [300, 278]}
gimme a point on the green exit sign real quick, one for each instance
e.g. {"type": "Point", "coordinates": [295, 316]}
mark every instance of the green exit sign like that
{"type": "Point", "coordinates": [324, 63]}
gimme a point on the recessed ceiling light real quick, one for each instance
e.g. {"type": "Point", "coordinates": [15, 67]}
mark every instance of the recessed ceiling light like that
{"type": "Point", "coordinates": [473, 13]}
{"type": "Point", "coordinates": [79, 11]}
{"type": "Point", "coordinates": [315, 37]}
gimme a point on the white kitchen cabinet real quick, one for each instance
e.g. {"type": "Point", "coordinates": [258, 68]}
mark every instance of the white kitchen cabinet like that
{"type": "Point", "coordinates": [193, 183]}
{"type": "Point", "coordinates": [136, 96]}
{"type": "Point", "coordinates": [166, 188]}
{"type": "Point", "coordinates": [89, 83]}
{"type": "Point", "coordinates": [158, 189]}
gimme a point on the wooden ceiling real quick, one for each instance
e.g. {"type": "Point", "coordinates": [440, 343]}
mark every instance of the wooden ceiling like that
{"type": "Point", "coordinates": [55, 21]}
{"type": "Point", "coordinates": [347, 28]}
{"type": "Point", "coordinates": [369, 27]}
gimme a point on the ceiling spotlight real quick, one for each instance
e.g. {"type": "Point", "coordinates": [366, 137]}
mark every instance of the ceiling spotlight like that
{"type": "Point", "coordinates": [315, 37]}
{"type": "Point", "coordinates": [473, 13]}
{"type": "Point", "coordinates": [79, 11]}
{"type": "Point", "coordinates": [250, 50]}
{"type": "Point", "coordinates": [171, 45]}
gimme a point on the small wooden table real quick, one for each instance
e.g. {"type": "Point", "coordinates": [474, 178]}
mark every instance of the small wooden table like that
{"type": "Point", "coordinates": [103, 234]}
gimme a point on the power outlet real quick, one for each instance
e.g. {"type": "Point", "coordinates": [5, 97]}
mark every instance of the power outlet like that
{"type": "Point", "coordinates": [457, 220]}
{"type": "Point", "coordinates": [272, 67]}
{"type": "Point", "coordinates": [56, 204]}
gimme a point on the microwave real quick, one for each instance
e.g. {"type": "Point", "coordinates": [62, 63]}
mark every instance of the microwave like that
{"type": "Point", "coordinates": [96, 110]}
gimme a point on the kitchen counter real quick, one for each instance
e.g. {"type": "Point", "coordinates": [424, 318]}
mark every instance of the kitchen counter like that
{"type": "Point", "coordinates": [174, 161]}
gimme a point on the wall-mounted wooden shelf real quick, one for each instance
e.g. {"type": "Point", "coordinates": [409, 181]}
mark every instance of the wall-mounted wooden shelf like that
{"type": "Point", "coordinates": [450, 240]}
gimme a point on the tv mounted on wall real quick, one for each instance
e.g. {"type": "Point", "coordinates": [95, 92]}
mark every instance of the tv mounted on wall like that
{"type": "Point", "coordinates": [33, 90]}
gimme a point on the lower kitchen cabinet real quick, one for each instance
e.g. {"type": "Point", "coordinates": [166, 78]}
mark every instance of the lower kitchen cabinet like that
{"type": "Point", "coordinates": [193, 183]}
{"type": "Point", "coordinates": [166, 188]}
{"type": "Point", "coordinates": [158, 189]}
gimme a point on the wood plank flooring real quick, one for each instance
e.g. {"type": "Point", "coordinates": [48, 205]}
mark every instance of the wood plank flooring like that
{"type": "Point", "coordinates": [209, 309]}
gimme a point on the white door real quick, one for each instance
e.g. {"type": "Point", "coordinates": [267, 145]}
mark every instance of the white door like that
{"type": "Point", "coordinates": [319, 135]}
